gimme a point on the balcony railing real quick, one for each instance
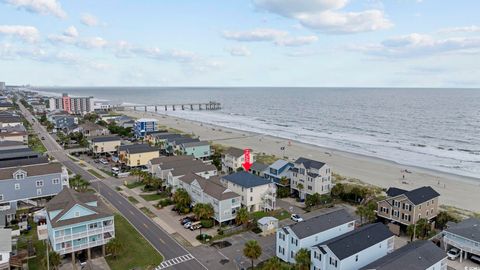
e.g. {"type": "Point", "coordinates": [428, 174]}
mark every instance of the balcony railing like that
{"type": "Point", "coordinates": [86, 233]}
{"type": "Point", "coordinates": [83, 246]}
{"type": "Point", "coordinates": [470, 248]}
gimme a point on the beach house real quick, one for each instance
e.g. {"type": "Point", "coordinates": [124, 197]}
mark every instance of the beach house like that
{"type": "Point", "coordinates": [14, 133]}
{"type": "Point", "coordinates": [200, 149]}
{"type": "Point", "coordinates": [5, 248]}
{"type": "Point", "coordinates": [353, 250]}
{"type": "Point", "coordinates": [78, 222]}
{"type": "Point", "coordinates": [407, 207]}
{"type": "Point", "coordinates": [62, 121]}
{"type": "Point", "coordinates": [418, 255]}
{"type": "Point", "coordinates": [309, 177]}
{"type": "Point", "coordinates": [10, 120]}
{"type": "Point", "coordinates": [290, 239]}
{"type": "Point", "coordinates": [258, 168]}
{"type": "Point", "coordinates": [105, 144]}
{"type": "Point", "coordinates": [225, 203]}
{"type": "Point", "coordinates": [134, 155]}
{"type": "Point", "coordinates": [465, 236]}
{"type": "Point", "coordinates": [89, 129]}
{"type": "Point", "coordinates": [278, 170]}
{"type": "Point", "coordinates": [27, 184]}
{"type": "Point", "coordinates": [144, 125]}
{"type": "Point", "coordinates": [257, 193]}
{"type": "Point", "coordinates": [233, 158]}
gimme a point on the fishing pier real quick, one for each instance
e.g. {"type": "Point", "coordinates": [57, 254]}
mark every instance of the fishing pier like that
{"type": "Point", "coordinates": [209, 106]}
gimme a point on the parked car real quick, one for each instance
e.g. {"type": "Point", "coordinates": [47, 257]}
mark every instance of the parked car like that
{"type": "Point", "coordinates": [187, 219]}
{"type": "Point", "coordinates": [103, 161]}
{"type": "Point", "coordinates": [195, 225]}
{"type": "Point", "coordinates": [96, 160]}
{"type": "Point", "coordinates": [43, 138]}
{"type": "Point", "coordinates": [296, 218]}
{"type": "Point", "coordinates": [453, 254]}
{"type": "Point", "coordinates": [475, 259]}
{"type": "Point", "coordinates": [187, 225]}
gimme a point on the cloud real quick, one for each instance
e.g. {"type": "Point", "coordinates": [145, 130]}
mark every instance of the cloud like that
{"type": "Point", "coordinates": [89, 20]}
{"type": "Point", "coordinates": [278, 37]}
{"type": "Point", "coordinates": [71, 32]}
{"type": "Point", "coordinates": [326, 15]}
{"type": "Point", "coordinates": [462, 29]}
{"type": "Point", "coordinates": [417, 45]}
{"type": "Point", "coordinates": [239, 51]}
{"type": "Point", "coordinates": [44, 7]}
{"type": "Point", "coordinates": [26, 33]}
{"type": "Point", "coordinates": [71, 36]}
{"type": "Point", "coordinates": [92, 43]}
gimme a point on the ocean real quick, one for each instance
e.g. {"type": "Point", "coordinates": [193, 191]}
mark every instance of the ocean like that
{"type": "Point", "coordinates": [432, 128]}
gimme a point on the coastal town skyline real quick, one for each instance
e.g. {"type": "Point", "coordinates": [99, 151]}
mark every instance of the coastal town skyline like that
{"type": "Point", "coordinates": [242, 43]}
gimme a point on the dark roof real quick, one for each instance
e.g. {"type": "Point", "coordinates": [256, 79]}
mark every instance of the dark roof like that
{"type": "Point", "coordinates": [309, 163]}
{"type": "Point", "coordinates": [20, 153]}
{"type": "Point", "coordinates": [416, 196]}
{"type": "Point", "coordinates": [468, 228]}
{"type": "Point", "coordinates": [32, 170]}
{"type": "Point", "coordinates": [137, 148]}
{"type": "Point", "coordinates": [11, 143]}
{"type": "Point", "coordinates": [247, 180]}
{"type": "Point", "coordinates": [210, 186]}
{"type": "Point", "coordinates": [321, 223]}
{"type": "Point", "coordinates": [258, 166]}
{"type": "Point", "coordinates": [418, 255]}
{"type": "Point", "coordinates": [106, 139]}
{"type": "Point", "coordinates": [351, 243]}
{"type": "Point", "coordinates": [182, 140]}
{"type": "Point", "coordinates": [23, 162]}
{"type": "Point", "coordinates": [236, 152]}
{"type": "Point", "coordinates": [195, 143]}
{"type": "Point", "coordinates": [10, 119]}
{"type": "Point", "coordinates": [166, 159]}
{"type": "Point", "coordinates": [68, 198]}
{"type": "Point", "coordinates": [166, 136]}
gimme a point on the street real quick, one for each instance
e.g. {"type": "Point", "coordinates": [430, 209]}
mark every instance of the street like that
{"type": "Point", "coordinates": [172, 251]}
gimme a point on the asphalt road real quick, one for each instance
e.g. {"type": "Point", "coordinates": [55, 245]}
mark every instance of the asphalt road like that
{"type": "Point", "coordinates": [160, 240]}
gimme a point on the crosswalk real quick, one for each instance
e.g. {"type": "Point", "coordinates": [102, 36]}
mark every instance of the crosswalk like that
{"type": "Point", "coordinates": [175, 261]}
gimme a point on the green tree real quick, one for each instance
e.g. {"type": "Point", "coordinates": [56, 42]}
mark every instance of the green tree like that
{"type": "Point", "coordinates": [302, 259]}
{"type": "Point", "coordinates": [443, 217]}
{"type": "Point", "coordinates": [423, 228]}
{"type": "Point", "coordinates": [252, 250]}
{"type": "Point", "coordinates": [242, 217]}
{"type": "Point", "coordinates": [361, 212]}
{"type": "Point", "coordinates": [338, 190]}
{"type": "Point", "coordinates": [114, 247]}
{"type": "Point", "coordinates": [54, 260]}
{"type": "Point", "coordinates": [312, 200]}
{"type": "Point", "coordinates": [275, 264]}
{"type": "Point", "coordinates": [78, 183]}
{"type": "Point", "coordinates": [203, 211]}
{"type": "Point", "coordinates": [411, 231]}
{"type": "Point", "coordinates": [182, 199]}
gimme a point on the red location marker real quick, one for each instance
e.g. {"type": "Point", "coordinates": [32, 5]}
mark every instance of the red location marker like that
{"type": "Point", "coordinates": [246, 164]}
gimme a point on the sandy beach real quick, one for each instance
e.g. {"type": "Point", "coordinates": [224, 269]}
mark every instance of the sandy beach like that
{"type": "Point", "coordinates": [458, 191]}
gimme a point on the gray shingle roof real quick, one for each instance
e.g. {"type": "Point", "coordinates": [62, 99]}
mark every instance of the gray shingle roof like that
{"type": "Point", "coordinates": [258, 166]}
{"type": "Point", "coordinates": [32, 170]}
{"type": "Point", "coordinates": [166, 159]}
{"type": "Point", "coordinates": [195, 143]}
{"type": "Point", "coordinates": [357, 240]}
{"type": "Point", "coordinates": [23, 162]}
{"type": "Point", "coordinates": [6, 240]}
{"type": "Point", "coordinates": [247, 180]}
{"type": "Point", "coordinates": [418, 255]}
{"type": "Point", "coordinates": [416, 196]}
{"type": "Point", "coordinates": [236, 152]}
{"type": "Point", "coordinates": [309, 163]}
{"type": "Point", "coordinates": [137, 148]}
{"type": "Point", "coordinates": [106, 139]}
{"type": "Point", "coordinates": [210, 186]}
{"type": "Point", "coordinates": [21, 153]}
{"type": "Point", "coordinates": [321, 223]}
{"type": "Point", "coordinates": [468, 228]}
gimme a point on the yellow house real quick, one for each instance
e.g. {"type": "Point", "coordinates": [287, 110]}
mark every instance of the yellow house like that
{"type": "Point", "coordinates": [135, 155]}
{"type": "Point", "coordinates": [102, 145]}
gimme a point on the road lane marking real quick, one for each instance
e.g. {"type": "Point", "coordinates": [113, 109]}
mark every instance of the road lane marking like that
{"type": "Point", "coordinates": [175, 261]}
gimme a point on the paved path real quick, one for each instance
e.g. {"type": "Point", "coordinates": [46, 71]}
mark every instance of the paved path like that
{"type": "Point", "coordinates": [159, 239]}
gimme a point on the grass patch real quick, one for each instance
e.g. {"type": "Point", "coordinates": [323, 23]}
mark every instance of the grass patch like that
{"type": "Point", "coordinates": [35, 143]}
{"type": "Point", "coordinates": [147, 212]}
{"type": "Point", "coordinates": [96, 174]}
{"type": "Point", "coordinates": [82, 164]}
{"type": "Point", "coordinates": [134, 184]}
{"type": "Point", "coordinates": [132, 200]}
{"type": "Point", "coordinates": [278, 214]}
{"type": "Point", "coordinates": [153, 197]}
{"type": "Point", "coordinates": [118, 189]}
{"type": "Point", "coordinates": [72, 158]}
{"type": "Point", "coordinates": [266, 159]}
{"type": "Point", "coordinates": [137, 252]}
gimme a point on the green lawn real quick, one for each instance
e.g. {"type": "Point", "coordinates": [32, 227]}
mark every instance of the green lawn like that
{"type": "Point", "coordinates": [35, 143]}
{"type": "Point", "coordinates": [279, 214]}
{"type": "Point", "coordinates": [134, 184]}
{"type": "Point", "coordinates": [153, 197]}
{"type": "Point", "coordinates": [147, 212]}
{"type": "Point", "coordinates": [96, 174]}
{"type": "Point", "coordinates": [132, 200]}
{"type": "Point", "coordinates": [137, 252]}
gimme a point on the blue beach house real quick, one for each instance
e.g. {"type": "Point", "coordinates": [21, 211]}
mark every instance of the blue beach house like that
{"type": "Point", "coordinates": [144, 125]}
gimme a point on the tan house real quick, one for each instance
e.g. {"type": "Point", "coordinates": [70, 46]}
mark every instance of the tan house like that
{"type": "Point", "coordinates": [135, 155]}
{"type": "Point", "coordinates": [103, 145]}
{"type": "Point", "coordinates": [233, 158]}
{"type": "Point", "coordinates": [16, 134]}
{"type": "Point", "coordinates": [407, 207]}
{"type": "Point", "coordinates": [89, 129]}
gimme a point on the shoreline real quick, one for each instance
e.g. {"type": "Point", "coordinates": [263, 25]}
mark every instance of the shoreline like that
{"type": "Point", "coordinates": [455, 190]}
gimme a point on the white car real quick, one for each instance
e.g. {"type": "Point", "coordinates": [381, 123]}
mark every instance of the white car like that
{"type": "Point", "coordinates": [187, 225]}
{"type": "Point", "coordinates": [296, 218]}
{"type": "Point", "coordinates": [453, 254]}
{"type": "Point", "coordinates": [103, 161]}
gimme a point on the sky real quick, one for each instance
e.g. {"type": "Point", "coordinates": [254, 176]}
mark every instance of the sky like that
{"type": "Point", "coordinates": [324, 43]}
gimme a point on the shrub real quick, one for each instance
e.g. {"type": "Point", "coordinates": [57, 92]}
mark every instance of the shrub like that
{"type": "Point", "coordinates": [207, 223]}
{"type": "Point", "coordinates": [220, 232]}
{"type": "Point", "coordinates": [257, 230]}
{"type": "Point", "coordinates": [203, 237]}
{"type": "Point", "coordinates": [165, 202]}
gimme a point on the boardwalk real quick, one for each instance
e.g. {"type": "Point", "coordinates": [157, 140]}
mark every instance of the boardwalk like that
{"type": "Point", "coordinates": [209, 106]}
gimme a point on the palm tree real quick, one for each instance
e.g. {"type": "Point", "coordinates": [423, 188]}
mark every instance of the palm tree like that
{"type": "Point", "coordinates": [284, 181]}
{"type": "Point", "coordinates": [252, 250]}
{"type": "Point", "coordinates": [181, 198]}
{"type": "Point", "coordinates": [114, 247]}
{"type": "Point", "coordinates": [361, 211]}
{"type": "Point", "coordinates": [53, 259]}
{"type": "Point", "coordinates": [272, 264]}
{"type": "Point", "coordinates": [203, 211]}
{"type": "Point", "coordinates": [411, 231]}
{"type": "Point", "coordinates": [302, 259]}
{"type": "Point", "coordinates": [78, 183]}
{"type": "Point", "coordinates": [242, 217]}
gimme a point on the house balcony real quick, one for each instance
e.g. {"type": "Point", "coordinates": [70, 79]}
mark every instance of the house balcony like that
{"type": "Point", "coordinates": [91, 232]}
{"type": "Point", "coordinates": [83, 246]}
{"type": "Point", "coordinates": [462, 244]}
{"type": "Point", "coordinates": [5, 266]}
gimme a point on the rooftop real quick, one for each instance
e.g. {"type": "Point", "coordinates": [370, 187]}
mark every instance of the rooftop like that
{"type": "Point", "coordinates": [166, 159]}
{"type": "Point", "coordinates": [31, 170]}
{"type": "Point", "coordinates": [277, 165]}
{"type": "Point", "coordinates": [5, 240]}
{"type": "Point", "coordinates": [418, 255]}
{"type": "Point", "coordinates": [194, 144]}
{"type": "Point", "coordinates": [321, 223]}
{"type": "Point", "coordinates": [106, 139]}
{"type": "Point", "coordinates": [210, 187]}
{"type": "Point", "coordinates": [20, 153]}
{"type": "Point", "coordinates": [236, 152]}
{"type": "Point", "coordinates": [468, 228]}
{"type": "Point", "coordinates": [309, 163]}
{"type": "Point", "coordinates": [146, 120]}
{"type": "Point", "coordinates": [247, 180]}
{"type": "Point", "coordinates": [351, 243]}
{"type": "Point", "coordinates": [258, 166]}
{"type": "Point", "coordinates": [416, 196]}
{"type": "Point", "coordinates": [137, 148]}
{"type": "Point", "coordinates": [23, 162]}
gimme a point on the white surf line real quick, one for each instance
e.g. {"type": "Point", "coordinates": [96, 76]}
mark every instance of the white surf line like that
{"type": "Point", "coordinates": [175, 261]}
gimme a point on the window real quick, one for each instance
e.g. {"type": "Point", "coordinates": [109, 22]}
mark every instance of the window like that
{"type": "Point", "coordinates": [251, 199]}
{"type": "Point", "coordinates": [76, 214]}
{"type": "Point", "coordinates": [310, 187]}
{"type": "Point", "coordinates": [291, 254]}
{"type": "Point", "coordinates": [39, 183]}
{"type": "Point", "coordinates": [251, 189]}
{"type": "Point", "coordinates": [39, 191]}
{"type": "Point", "coordinates": [17, 186]}
{"type": "Point", "coordinates": [55, 181]}
{"type": "Point", "coordinates": [356, 258]}
{"type": "Point", "coordinates": [1, 197]}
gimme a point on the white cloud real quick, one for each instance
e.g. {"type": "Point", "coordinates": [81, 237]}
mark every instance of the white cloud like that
{"type": "Point", "coordinates": [71, 32]}
{"type": "Point", "coordinates": [89, 20]}
{"type": "Point", "coordinates": [71, 36]}
{"type": "Point", "coordinates": [239, 51]}
{"type": "Point", "coordinates": [417, 45]}
{"type": "Point", "coordinates": [27, 33]}
{"type": "Point", "coordinates": [44, 7]}
{"type": "Point", "coordinates": [326, 15]}
{"type": "Point", "coordinates": [92, 43]}
{"type": "Point", "coordinates": [278, 37]}
{"type": "Point", "coordinates": [462, 29]}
